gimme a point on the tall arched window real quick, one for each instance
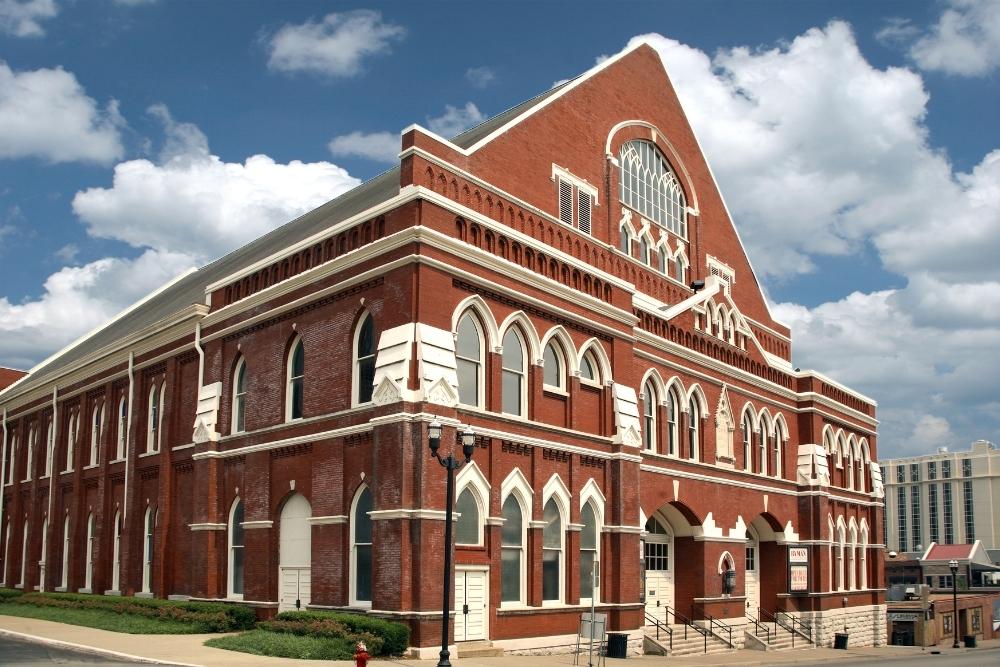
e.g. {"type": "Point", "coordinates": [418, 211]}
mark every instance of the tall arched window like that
{"type": "Point", "coordinates": [64, 578]}
{"type": "Point", "coordinates": [694, 423]}
{"type": "Point", "coordinates": [11, 463]}
{"type": "Point", "coordinates": [24, 554]}
{"type": "Point", "coordinates": [864, 557]}
{"type": "Point", "coordinates": [43, 558]}
{"type": "Point", "coordinates": [841, 548]}
{"type": "Point", "coordinates": [662, 260]}
{"type": "Point", "coordinates": [468, 528]}
{"type": "Point", "coordinates": [149, 529]}
{"type": "Point", "coordinates": [361, 549]}
{"type": "Point", "coordinates": [648, 185]}
{"type": "Point", "coordinates": [649, 401]}
{"type": "Point", "coordinates": [644, 250]}
{"type": "Point", "coordinates": [122, 428]}
{"type": "Point", "coordinates": [32, 436]}
{"type": "Point", "coordinates": [513, 398]}
{"type": "Point", "coordinates": [95, 435]}
{"type": "Point", "coordinates": [588, 369]}
{"type": "Point", "coordinates": [590, 552]}
{"type": "Point", "coordinates": [153, 419]}
{"type": "Point", "coordinates": [88, 578]}
{"type": "Point", "coordinates": [747, 438]}
{"type": "Point", "coordinates": [6, 553]}
{"type": "Point", "coordinates": [852, 562]}
{"type": "Point", "coordinates": [236, 550]}
{"type": "Point", "coordinates": [240, 397]}
{"type": "Point", "coordinates": [49, 448]}
{"type": "Point", "coordinates": [625, 240]}
{"type": "Point", "coordinates": [469, 360]}
{"type": "Point", "coordinates": [779, 441]}
{"type": "Point", "coordinates": [512, 552]}
{"type": "Point", "coordinates": [296, 378]}
{"type": "Point", "coordinates": [679, 268]}
{"type": "Point", "coordinates": [70, 442]}
{"type": "Point", "coordinates": [762, 447]}
{"type": "Point", "coordinates": [673, 410]}
{"type": "Point", "coordinates": [364, 360]}
{"type": "Point", "coordinates": [552, 552]}
{"type": "Point", "coordinates": [116, 563]}
{"type": "Point", "coordinates": [554, 369]}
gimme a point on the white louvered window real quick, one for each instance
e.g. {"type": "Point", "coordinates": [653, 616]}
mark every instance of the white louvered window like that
{"type": "Point", "coordinates": [565, 202]}
{"type": "Point", "coordinates": [586, 204]}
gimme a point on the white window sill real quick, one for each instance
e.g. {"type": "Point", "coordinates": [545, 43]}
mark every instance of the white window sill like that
{"type": "Point", "coordinates": [87, 591]}
{"type": "Point", "coordinates": [43, 477]}
{"type": "Point", "coordinates": [114, 461]}
{"type": "Point", "coordinates": [92, 466]}
{"type": "Point", "coordinates": [143, 595]}
{"type": "Point", "coordinates": [145, 454]}
{"type": "Point", "coordinates": [554, 390]}
{"type": "Point", "coordinates": [67, 472]}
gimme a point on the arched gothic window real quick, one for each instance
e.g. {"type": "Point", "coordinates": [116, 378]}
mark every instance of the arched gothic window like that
{"type": "Point", "coordinates": [116, 563]}
{"type": "Point", "coordinates": [649, 185]}
{"type": "Point", "coordinates": [747, 438]}
{"type": "Point", "coordinates": [625, 240]}
{"type": "Point", "coordinates": [236, 550]}
{"type": "Point", "coordinates": [153, 419]}
{"type": "Point", "coordinates": [122, 428]}
{"type": "Point", "coordinates": [649, 401]}
{"type": "Point", "coordinates": [552, 552]}
{"type": "Point", "coordinates": [673, 410]}
{"type": "Point", "coordinates": [468, 527]}
{"type": "Point", "coordinates": [296, 382]}
{"type": "Point", "coordinates": [554, 370]}
{"type": "Point", "coordinates": [662, 260]}
{"type": "Point", "coordinates": [361, 548]}
{"type": "Point", "coordinates": [644, 250]}
{"type": "Point", "coordinates": [64, 579]}
{"type": "Point", "coordinates": [95, 436]}
{"type": "Point", "coordinates": [364, 360]}
{"type": "Point", "coordinates": [469, 360]}
{"type": "Point", "coordinates": [513, 384]}
{"type": "Point", "coordinates": [694, 423]}
{"type": "Point", "coordinates": [779, 441]}
{"type": "Point", "coordinates": [512, 559]}
{"type": "Point", "coordinates": [590, 552]}
{"type": "Point", "coordinates": [149, 528]}
{"type": "Point", "coordinates": [88, 581]}
{"type": "Point", "coordinates": [240, 397]}
{"type": "Point", "coordinates": [762, 447]}
{"type": "Point", "coordinates": [588, 369]}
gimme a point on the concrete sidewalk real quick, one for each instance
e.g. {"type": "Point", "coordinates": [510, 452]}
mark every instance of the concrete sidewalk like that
{"type": "Point", "coordinates": [189, 650]}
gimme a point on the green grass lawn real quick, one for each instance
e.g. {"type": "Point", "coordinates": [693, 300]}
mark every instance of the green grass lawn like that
{"type": "Point", "coordinates": [102, 620]}
{"type": "Point", "coordinates": [286, 645]}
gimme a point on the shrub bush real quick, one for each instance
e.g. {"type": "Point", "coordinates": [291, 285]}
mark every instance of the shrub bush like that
{"type": "Point", "coordinates": [208, 616]}
{"type": "Point", "coordinates": [8, 594]}
{"type": "Point", "coordinates": [394, 637]}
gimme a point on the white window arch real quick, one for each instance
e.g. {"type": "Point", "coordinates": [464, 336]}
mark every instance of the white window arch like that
{"type": "Point", "coordinates": [70, 442]}
{"type": "Point", "coordinates": [6, 553]}
{"type": "Point", "coordinates": [694, 428]}
{"type": "Point", "coordinates": [42, 559]}
{"type": "Point", "coordinates": [295, 369]}
{"type": "Point", "coordinates": [762, 437]}
{"type": "Point", "coordinates": [554, 366]}
{"type": "Point", "coordinates": [513, 538]}
{"type": "Point", "coordinates": [122, 428]}
{"type": "Point", "coordinates": [590, 552]}
{"type": "Point", "coordinates": [239, 397]}
{"type": "Point", "coordinates": [649, 185]}
{"type": "Point", "coordinates": [32, 437]}
{"type": "Point", "coordinates": [841, 549]}
{"type": "Point", "coordinates": [235, 569]}
{"type": "Point", "coordinates": [779, 443]}
{"type": "Point", "coordinates": [364, 360]}
{"type": "Point", "coordinates": [589, 372]}
{"type": "Point", "coordinates": [662, 261]}
{"type": "Point", "coordinates": [97, 420]}
{"type": "Point", "coordinates": [64, 577]}
{"type": "Point", "coordinates": [514, 385]}
{"type": "Point", "coordinates": [553, 547]}
{"type": "Point", "coordinates": [472, 491]}
{"type": "Point", "coordinates": [149, 530]}
{"type": "Point", "coordinates": [864, 556]}
{"type": "Point", "coordinates": [11, 464]}
{"type": "Point", "coordinates": [650, 400]}
{"type": "Point", "coordinates": [116, 563]}
{"type": "Point", "coordinates": [152, 417]}
{"type": "Point", "coordinates": [644, 250]}
{"type": "Point", "coordinates": [625, 240]}
{"type": "Point", "coordinates": [747, 441]}
{"type": "Point", "coordinates": [673, 421]}
{"type": "Point", "coordinates": [50, 447]}
{"type": "Point", "coordinates": [469, 354]}
{"type": "Point", "coordinates": [680, 266]}
{"type": "Point", "coordinates": [853, 560]}
{"type": "Point", "coordinates": [88, 577]}
{"type": "Point", "coordinates": [24, 554]}
{"type": "Point", "coordinates": [361, 548]}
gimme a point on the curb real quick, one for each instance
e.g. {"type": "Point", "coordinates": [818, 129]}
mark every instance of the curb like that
{"type": "Point", "coordinates": [83, 648]}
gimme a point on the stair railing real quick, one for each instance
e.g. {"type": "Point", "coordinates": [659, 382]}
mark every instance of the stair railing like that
{"type": "Point", "coordinates": [688, 623]}
{"type": "Point", "coordinates": [794, 626]}
{"type": "Point", "coordinates": [661, 625]}
{"type": "Point", "coordinates": [714, 624]}
{"type": "Point", "coordinates": [758, 624]}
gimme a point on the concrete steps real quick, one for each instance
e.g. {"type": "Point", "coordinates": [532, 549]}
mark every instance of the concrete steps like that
{"type": "Point", "coordinates": [695, 643]}
{"type": "Point", "coordinates": [478, 649]}
{"type": "Point", "coordinates": [780, 639]}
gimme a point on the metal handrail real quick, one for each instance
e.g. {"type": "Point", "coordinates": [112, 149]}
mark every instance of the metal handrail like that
{"type": "Point", "coordinates": [662, 626]}
{"type": "Point", "coordinates": [687, 622]}
{"type": "Point", "coordinates": [760, 626]}
{"type": "Point", "coordinates": [794, 622]}
{"type": "Point", "coordinates": [713, 623]}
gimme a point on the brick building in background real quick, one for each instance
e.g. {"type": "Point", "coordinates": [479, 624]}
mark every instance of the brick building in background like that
{"type": "Point", "coordinates": [566, 279]}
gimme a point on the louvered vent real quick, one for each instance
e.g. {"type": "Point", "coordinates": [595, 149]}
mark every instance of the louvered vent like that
{"type": "Point", "coordinates": [566, 202]}
{"type": "Point", "coordinates": [585, 206]}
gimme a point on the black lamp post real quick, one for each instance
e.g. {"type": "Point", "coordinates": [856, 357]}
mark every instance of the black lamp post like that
{"type": "Point", "coordinates": [451, 464]}
{"type": "Point", "coordinates": [953, 566]}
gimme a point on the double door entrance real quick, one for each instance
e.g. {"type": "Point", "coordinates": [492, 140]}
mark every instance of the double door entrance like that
{"type": "Point", "coordinates": [471, 600]}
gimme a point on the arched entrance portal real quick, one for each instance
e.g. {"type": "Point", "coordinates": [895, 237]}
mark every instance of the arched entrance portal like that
{"type": "Point", "coordinates": [658, 561]}
{"type": "Point", "coordinates": [766, 565]}
{"type": "Point", "coordinates": [751, 573]}
{"type": "Point", "coordinates": [295, 554]}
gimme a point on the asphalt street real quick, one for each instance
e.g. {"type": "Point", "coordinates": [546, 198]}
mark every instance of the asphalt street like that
{"type": "Point", "coordinates": [16, 652]}
{"type": "Point", "coordinates": [981, 658]}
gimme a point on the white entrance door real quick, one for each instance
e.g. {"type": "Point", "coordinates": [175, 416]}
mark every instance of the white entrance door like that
{"type": "Point", "coordinates": [658, 564]}
{"type": "Point", "coordinates": [752, 576]}
{"type": "Point", "coordinates": [295, 564]}
{"type": "Point", "coordinates": [471, 588]}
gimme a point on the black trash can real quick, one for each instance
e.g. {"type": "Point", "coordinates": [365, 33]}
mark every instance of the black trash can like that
{"type": "Point", "coordinates": [840, 640]}
{"type": "Point", "coordinates": [970, 641]}
{"type": "Point", "coordinates": [617, 645]}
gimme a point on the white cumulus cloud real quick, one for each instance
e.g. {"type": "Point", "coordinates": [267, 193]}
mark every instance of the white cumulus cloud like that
{"type": "Point", "coordinates": [480, 77]}
{"type": "Point", "coordinates": [334, 46]}
{"type": "Point", "coordinates": [455, 120]}
{"type": "Point", "coordinates": [965, 41]}
{"type": "Point", "coordinates": [22, 18]}
{"type": "Point", "coordinates": [46, 113]}
{"type": "Point", "coordinates": [377, 146]}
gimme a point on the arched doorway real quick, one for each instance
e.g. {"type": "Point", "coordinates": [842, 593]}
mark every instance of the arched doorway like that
{"type": "Point", "coordinates": [751, 573]}
{"type": "Point", "coordinates": [295, 554]}
{"type": "Point", "coordinates": [658, 567]}
{"type": "Point", "coordinates": [766, 566]}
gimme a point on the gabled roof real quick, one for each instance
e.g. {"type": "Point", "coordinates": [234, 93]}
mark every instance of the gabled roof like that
{"type": "Point", "coordinates": [9, 376]}
{"type": "Point", "coordinates": [960, 552]}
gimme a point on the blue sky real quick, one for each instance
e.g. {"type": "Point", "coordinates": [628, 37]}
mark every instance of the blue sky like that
{"type": "Point", "coordinates": [855, 143]}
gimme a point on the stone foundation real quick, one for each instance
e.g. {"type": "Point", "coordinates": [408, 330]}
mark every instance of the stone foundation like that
{"type": "Point", "coordinates": [560, 644]}
{"type": "Point", "coordinates": [865, 626]}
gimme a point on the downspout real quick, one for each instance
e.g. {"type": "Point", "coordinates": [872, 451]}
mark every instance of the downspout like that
{"type": "Point", "coordinates": [201, 355]}
{"type": "Point", "coordinates": [50, 459]}
{"type": "Point", "coordinates": [128, 429]}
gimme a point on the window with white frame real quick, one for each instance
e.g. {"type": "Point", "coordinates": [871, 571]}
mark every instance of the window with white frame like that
{"type": "Point", "coordinates": [49, 448]}
{"type": "Point", "coordinates": [779, 440]}
{"type": "Point", "coordinates": [552, 552]}
{"type": "Point", "coordinates": [88, 578]}
{"type": "Point", "coordinates": [70, 442]}
{"type": "Point", "coordinates": [644, 256]}
{"type": "Point", "coordinates": [235, 580]}
{"type": "Point", "coordinates": [10, 454]}
{"type": "Point", "coordinates": [6, 553]}
{"type": "Point", "coordinates": [512, 561]}
{"type": "Point", "coordinates": [648, 185]}
{"type": "Point", "coordinates": [153, 419]}
{"type": "Point", "coordinates": [841, 548]}
{"type": "Point", "coordinates": [747, 438]}
{"type": "Point", "coordinates": [588, 369]}
{"type": "Point", "coordinates": [514, 371]}
{"type": "Point", "coordinates": [24, 555]}
{"type": "Point", "coordinates": [649, 402]}
{"type": "Point", "coordinates": [364, 360]}
{"type": "Point", "coordinates": [566, 201]}
{"type": "Point", "coordinates": [762, 447]}
{"type": "Point", "coordinates": [574, 190]}
{"type": "Point", "coordinates": [589, 552]}
{"type": "Point", "coordinates": [296, 378]}
{"type": "Point", "coordinates": [30, 458]}
{"type": "Point", "coordinates": [361, 548]}
{"type": "Point", "coordinates": [240, 397]}
{"type": "Point", "coordinates": [584, 209]}
{"type": "Point", "coordinates": [625, 240]}
{"type": "Point", "coordinates": [64, 577]}
{"type": "Point", "coordinates": [694, 426]}
{"type": "Point", "coordinates": [97, 419]}
{"type": "Point", "coordinates": [469, 360]}
{"type": "Point", "coordinates": [116, 563]}
{"type": "Point", "coordinates": [468, 528]}
{"type": "Point", "coordinates": [661, 260]}
{"type": "Point", "coordinates": [149, 530]}
{"type": "Point", "coordinates": [673, 413]}
{"type": "Point", "coordinates": [44, 554]}
{"type": "Point", "coordinates": [122, 428]}
{"type": "Point", "coordinates": [680, 266]}
{"type": "Point", "coordinates": [554, 368]}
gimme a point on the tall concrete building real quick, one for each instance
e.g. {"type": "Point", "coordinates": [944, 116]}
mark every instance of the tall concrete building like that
{"type": "Point", "coordinates": [945, 497]}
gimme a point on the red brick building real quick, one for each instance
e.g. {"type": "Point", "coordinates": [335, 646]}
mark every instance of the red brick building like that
{"type": "Point", "coordinates": [566, 280]}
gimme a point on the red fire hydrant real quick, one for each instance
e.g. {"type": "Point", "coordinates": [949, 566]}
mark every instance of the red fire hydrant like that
{"type": "Point", "coordinates": [361, 655]}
